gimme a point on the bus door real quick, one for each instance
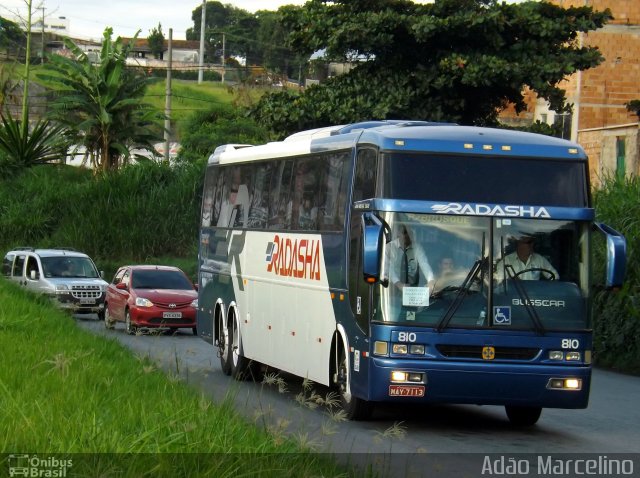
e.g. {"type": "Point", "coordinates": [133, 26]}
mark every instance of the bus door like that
{"type": "Point", "coordinates": [360, 292]}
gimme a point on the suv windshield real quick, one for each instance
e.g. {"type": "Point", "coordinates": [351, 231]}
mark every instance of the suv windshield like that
{"type": "Point", "coordinates": [482, 272]}
{"type": "Point", "coordinates": [69, 266]}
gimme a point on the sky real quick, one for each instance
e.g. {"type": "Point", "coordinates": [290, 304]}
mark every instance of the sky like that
{"type": "Point", "coordinates": [89, 18]}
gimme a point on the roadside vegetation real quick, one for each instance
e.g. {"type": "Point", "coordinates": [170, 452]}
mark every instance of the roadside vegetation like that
{"type": "Point", "coordinates": [617, 315]}
{"type": "Point", "coordinates": [85, 394]}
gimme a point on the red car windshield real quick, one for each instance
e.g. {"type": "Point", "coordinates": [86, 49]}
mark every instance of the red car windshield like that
{"type": "Point", "coordinates": [160, 279]}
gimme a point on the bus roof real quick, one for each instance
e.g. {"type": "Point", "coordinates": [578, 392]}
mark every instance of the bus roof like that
{"type": "Point", "coordinates": [407, 136]}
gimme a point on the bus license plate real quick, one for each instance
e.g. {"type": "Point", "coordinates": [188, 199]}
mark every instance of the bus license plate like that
{"type": "Point", "coordinates": [172, 315]}
{"type": "Point", "coordinates": [406, 390]}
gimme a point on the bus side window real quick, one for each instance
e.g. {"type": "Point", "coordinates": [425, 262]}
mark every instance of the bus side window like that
{"type": "Point", "coordinates": [333, 190]}
{"type": "Point", "coordinates": [365, 180]}
{"type": "Point", "coordinates": [259, 208]}
{"type": "Point", "coordinates": [281, 185]}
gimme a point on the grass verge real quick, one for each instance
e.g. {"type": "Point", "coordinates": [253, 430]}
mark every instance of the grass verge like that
{"type": "Point", "coordinates": [66, 391]}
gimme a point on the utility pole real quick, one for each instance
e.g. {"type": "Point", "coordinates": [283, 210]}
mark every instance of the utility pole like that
{"type": "Point", "coordinates": [42, 47]}
{"type": "Point", "coordinates": [167, 107]}
{"type": "Point", "coordinates": [202, 26]}
{"type": "Point", "coordinates": [223, 47]}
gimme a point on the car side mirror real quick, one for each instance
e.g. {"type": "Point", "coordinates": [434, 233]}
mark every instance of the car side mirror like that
{"type": "Point", "coordinates": [121, 286]}
{"type": "Point", "coordinates": [33, 275]}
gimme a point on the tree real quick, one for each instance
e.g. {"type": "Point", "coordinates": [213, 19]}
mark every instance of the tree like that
{"type": "Point", "coordinates": [451, 60]}
{"type": "Point", "coordinates": [633, 106]}
{"type": "Point", "coordinates": [272, 37]}
{"type": "Point", "coordinates": [102, 105]}
{"type": "Point", "coordinates": [155, 40]}
{"type": "Point", "coordinates": [11, 37]}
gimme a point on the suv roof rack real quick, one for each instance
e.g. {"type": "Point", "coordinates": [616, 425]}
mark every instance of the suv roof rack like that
{"type": "Point", "coordinates": [64, 249]}
{"type": "Point", "coordinates": [24, 248]}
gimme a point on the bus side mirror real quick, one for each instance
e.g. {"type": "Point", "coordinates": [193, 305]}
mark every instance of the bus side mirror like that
{"type": "Point", "coordinates": [372, 240]}
{"type": "Point", "coordinates": [616, 255]}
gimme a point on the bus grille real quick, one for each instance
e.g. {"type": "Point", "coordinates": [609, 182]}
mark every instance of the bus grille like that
{"type": "Point", "coordinates": [475, 352]}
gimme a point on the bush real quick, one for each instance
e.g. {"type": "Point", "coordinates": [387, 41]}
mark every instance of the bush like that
{"type": "Point", "coordinates": [617, 314]}
{"type": "Point", "coordinates": [204, 131]}
{"type": "Point", "coordinates": [144, 210]}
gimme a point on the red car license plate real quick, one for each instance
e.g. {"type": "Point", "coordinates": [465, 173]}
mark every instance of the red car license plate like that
{"type": "Point", "coordinates": [172, 315]}
{"type": "Point", "coordinates": [406, 390]}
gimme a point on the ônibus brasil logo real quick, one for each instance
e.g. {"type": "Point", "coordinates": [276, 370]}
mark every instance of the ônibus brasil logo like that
{"type": "Point", "coordinates": [298, 258]}
{"type": "Point", "coordinates": [490, 210]}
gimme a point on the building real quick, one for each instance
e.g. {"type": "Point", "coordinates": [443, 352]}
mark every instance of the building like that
{"type": "Point", "coordinates": [182, 51]}
{"type": "Point", "coordinates": [600, 121]}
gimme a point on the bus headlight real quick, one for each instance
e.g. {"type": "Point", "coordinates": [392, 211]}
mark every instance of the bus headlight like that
{"type": "Point", "coordinates": [400, 349]}
{"type": "Point", "coordinates": [573, 356]}
{"type": "Point", "coordinates": [556, 355]}
{"type": "Point", "coordinates": [416, 349]}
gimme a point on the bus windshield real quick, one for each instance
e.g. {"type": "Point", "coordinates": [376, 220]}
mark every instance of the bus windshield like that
{"type": "Point", "coordinates": [496, 180]}
{"type": "Point", "coordinates": [484, 272]}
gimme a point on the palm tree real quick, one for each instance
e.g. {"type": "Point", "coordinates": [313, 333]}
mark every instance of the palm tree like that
{"type": "Point", "coordinates": [101, 104]}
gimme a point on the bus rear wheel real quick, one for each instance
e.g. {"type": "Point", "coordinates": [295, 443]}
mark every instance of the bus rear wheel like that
{"type": "Point", "coordinates": [239, 363]}
{"type": "Point", "coordinates": [224, 350]}
{"type": "Point", "coordinates": [523, 416]}
{"type": "Point", "coordinates": [354, 407]}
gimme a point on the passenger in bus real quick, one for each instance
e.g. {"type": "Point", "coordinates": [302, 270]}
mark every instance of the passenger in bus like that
{"type": "Point", "coordinates": [448, 275]}
{"type": "Point", "coordinates": [408, 267]}
{"type": "Point", "coordinates": [523, 259]}
{"type": "Point", "coordinates": [234, 211]}
{"type": "Point", "coordinates": [307, 215]}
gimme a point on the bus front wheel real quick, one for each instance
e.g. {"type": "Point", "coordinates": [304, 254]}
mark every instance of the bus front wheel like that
{"type": "Point", "coordinates": [523, 416]}
{"type": "Point", "coordinates": [354, 407]}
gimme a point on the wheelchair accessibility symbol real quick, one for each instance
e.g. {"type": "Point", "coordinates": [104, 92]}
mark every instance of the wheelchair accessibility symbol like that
{"type": "Point", "coordinates": [502, 315]}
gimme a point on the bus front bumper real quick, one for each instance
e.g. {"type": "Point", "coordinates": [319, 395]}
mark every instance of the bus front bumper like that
{"type": "Point", "coordinates": [482, 383]}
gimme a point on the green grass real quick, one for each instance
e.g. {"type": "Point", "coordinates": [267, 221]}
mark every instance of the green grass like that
{"type": "Point", "coordinates": [64, 390]}
{"type": "Point", "coordinates": [187, 97]}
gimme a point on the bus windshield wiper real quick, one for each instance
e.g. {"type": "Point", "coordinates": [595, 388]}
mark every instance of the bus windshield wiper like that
{"type": "Point", "coordinates": [520, 289]}
{"type": "Point", "coordinates": [463, 290]}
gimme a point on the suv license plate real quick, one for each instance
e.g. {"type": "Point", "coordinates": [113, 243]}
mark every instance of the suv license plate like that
{"type": "Point", "coordinates": [172, 315]}
{"type": "Point", "coordinates": [87, 301]}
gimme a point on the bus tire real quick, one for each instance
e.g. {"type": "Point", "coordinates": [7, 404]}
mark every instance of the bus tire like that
{"type": "Point", "coordinates": [523, 416]}
{"type": "Point", "coordinates": [239, 363]}
{"type": "Point", "coordinates": [224, 350]}
{"type": "Point", "coordinates": [355, 408]}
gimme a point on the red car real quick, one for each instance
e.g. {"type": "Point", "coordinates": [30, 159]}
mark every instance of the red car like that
{"type": "Point", "coordinates": [151, 297]}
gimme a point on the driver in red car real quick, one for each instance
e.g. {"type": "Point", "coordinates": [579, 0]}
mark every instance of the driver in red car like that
{"type": "Point", "coordinates": [524, 259]}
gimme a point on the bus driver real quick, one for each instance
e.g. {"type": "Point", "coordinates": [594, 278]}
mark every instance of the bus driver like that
{"type": "Point", "coordinates": [524, 259]}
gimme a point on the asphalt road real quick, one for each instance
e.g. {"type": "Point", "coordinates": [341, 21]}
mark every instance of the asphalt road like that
{"type": "Point", "coordinates": [407, 441]}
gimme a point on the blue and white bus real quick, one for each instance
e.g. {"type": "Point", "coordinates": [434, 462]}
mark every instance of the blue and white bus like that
{"type": "Point", "coordinates": [297, 268]}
